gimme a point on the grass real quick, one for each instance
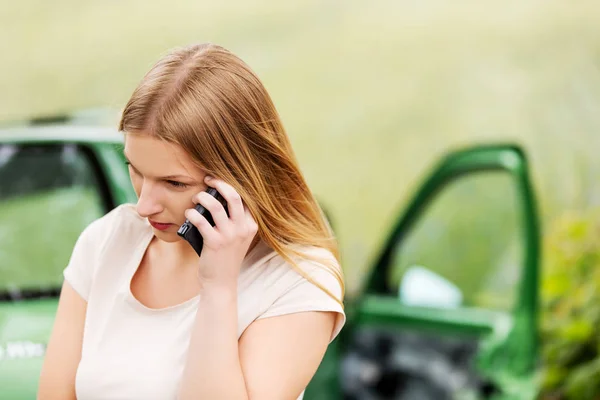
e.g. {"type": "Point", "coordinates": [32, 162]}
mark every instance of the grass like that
{"type": "Point", "coordinates": [371, 93]}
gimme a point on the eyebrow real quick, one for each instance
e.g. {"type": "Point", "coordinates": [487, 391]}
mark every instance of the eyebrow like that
{"type": "Point", "coordinates": [168, 177]}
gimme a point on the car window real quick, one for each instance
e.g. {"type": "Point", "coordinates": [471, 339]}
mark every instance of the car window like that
{"type": "Point", "coordinates": [465, 249]}
{"type": "Point", "coordinates": [48, 195]}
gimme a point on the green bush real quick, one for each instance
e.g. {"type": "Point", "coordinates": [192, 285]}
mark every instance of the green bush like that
{"type": "Point", "coordinates": [571, 308]}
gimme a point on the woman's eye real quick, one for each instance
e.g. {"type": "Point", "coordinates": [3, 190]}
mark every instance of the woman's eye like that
{"type": "Point", "coordinates": [177, 184]}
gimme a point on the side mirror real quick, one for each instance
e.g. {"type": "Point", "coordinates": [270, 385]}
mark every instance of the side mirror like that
{"type": "Point", "coordinates": [424, 288]}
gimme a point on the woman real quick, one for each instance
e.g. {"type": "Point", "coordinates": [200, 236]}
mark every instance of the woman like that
{"type": "Point", "coordinates": [141, 315]}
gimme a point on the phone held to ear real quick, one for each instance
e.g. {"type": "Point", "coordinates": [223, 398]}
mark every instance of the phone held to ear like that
{"type": "Point", "coordinates": [190, 233]}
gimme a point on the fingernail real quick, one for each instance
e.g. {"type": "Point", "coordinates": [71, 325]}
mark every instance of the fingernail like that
{"type": "Point", "coordinates": [208, 178]}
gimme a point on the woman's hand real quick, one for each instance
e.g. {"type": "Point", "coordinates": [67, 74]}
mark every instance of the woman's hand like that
{"type": "Point", "coordinates": [225, 244]}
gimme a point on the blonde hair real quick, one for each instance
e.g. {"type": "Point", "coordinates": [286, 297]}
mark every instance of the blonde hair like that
{"type": "Point", "coordinates": [208, 101]}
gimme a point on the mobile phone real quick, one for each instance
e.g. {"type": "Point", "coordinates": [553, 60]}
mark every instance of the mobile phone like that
{"type": "Point", "coordinates": [190, 233]}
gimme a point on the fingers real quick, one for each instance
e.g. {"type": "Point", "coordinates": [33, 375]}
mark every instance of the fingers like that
{"type": "Point", "coordinates": [250, 222]}
{"type": "Point", "coordinates": [235, 205]}
{"type": "Point", "coordinates": [214, 207]}
{"type": "Point", "coordinates": [239, 225]}
{"type": "Point", "coordinates": [208, 233]}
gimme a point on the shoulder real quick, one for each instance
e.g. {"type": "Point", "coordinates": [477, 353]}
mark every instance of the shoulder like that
{"type": "Point", "coordinates": [124, 216]}
{"type": "Point", "coordinates": [121, 221]}
{"type": "Point", "coordinates": [116, 231]}
{"type": "Point", "coordinates": [309, 281]}
{"type": "Point", "coordinates": [311, 262]}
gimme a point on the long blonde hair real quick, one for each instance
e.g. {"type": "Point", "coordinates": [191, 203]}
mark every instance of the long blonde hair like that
{"type": "Point", "coordinates": [208, 101]}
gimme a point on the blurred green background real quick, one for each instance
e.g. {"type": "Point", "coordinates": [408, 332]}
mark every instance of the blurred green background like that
{"type": "Point", "coordinates": [372, 93]}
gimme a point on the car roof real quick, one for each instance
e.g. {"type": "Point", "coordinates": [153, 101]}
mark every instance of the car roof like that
{"type": "Point", "coordinates": [60, 132]}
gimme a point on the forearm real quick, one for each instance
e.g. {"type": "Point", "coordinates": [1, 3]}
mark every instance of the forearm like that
{"type": "Point", "coordinates": [213, 369]}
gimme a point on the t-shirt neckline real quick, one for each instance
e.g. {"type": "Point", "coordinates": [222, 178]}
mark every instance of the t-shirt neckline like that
{"type": "Point", "coordinates": [134, 264]}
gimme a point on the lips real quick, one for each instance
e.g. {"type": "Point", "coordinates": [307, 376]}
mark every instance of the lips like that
{"type": "Point", "coordinates": [159, 225]}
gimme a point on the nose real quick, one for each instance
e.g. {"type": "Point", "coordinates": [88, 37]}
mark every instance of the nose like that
{"type": "Point", "coordinates": [148, 201]}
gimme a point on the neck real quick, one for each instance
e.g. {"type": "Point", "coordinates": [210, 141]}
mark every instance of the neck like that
{"type": "Point", "coordinates": [184, 253]}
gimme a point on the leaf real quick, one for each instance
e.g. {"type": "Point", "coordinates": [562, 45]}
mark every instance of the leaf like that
{"type": "Point", "coordinates": [583, 383]}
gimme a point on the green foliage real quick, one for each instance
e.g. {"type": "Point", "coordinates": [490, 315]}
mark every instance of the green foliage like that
{"type": "Point", "coordinates": [571, 308]}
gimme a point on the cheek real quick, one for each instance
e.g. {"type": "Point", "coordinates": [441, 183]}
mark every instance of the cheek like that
{"type": "Point", "coordinates": [179, 202]}
{"type": "Point", "coordinates": [184, 200]}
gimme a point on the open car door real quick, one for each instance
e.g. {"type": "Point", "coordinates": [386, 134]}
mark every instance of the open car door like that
{"type": "Point", "coordinates": [449, 310]}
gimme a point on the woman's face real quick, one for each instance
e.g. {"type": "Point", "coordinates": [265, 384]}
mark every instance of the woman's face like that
{"type": "Point", "coordinates": [165, 179]}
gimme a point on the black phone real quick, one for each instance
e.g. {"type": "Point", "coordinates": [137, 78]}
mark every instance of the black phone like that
{"type": "Point", "coordinates": [190, 233]}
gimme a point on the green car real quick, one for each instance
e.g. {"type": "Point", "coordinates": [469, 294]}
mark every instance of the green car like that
{"type": "Point", "coordinates": [448, 309]}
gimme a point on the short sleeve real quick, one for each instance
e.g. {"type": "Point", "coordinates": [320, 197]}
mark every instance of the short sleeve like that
{"type": "Point", "coordinates": [292, 293]}
{"type": "Point", "coordinates": [80, 270]}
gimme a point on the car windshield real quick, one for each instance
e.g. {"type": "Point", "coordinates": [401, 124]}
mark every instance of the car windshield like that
{"type": "Point", "coordinates": [48, 195]}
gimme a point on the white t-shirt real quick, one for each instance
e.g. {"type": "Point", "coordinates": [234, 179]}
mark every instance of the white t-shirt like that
{"type": "Point", "coordinates": [132, 352]}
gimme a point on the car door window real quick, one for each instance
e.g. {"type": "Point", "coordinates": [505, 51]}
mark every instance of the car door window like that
{"type": "Point", "coordinates": [465, 249]}
{"type": "Point", "coordinates": [449, 310]}
{"type": "Point", "coordinates": [48, 195]}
